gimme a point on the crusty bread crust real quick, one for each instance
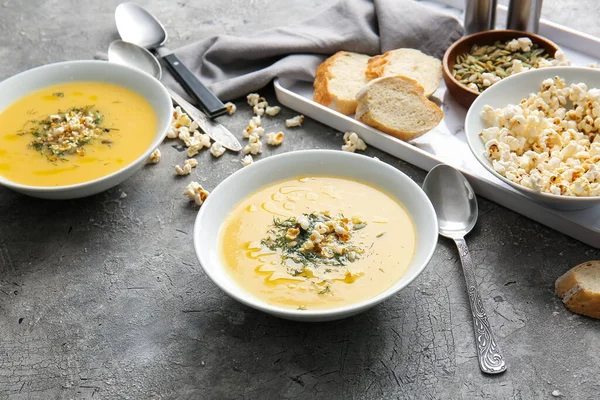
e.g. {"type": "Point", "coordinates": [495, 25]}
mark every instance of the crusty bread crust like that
{"type": "Point", "coordinates": [377, 67]}
{"type": "Point", "coordinates": [323, 94]}
{"type": "Point", "coordinates": [575, 296]}
{"type": "Point", "coordinates": [364, 112]}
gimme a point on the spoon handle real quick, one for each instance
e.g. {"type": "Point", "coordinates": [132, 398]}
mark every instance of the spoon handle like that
{"type": "Point", "coordinates": [213, 107]}
{"type": "Point", "coordinates": [491, 360]}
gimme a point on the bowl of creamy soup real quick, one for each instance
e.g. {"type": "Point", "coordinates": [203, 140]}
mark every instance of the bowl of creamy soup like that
{"type": "Point", "coordinates": [315, 235]}
{"type": "Point", "coordinates": [76, 128]}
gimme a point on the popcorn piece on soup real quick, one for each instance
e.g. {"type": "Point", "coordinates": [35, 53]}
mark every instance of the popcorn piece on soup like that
{"type": "Point", "coordinates": [185, 170]}
{"type": "Point", "coordinates": [275, 139]}
{"type": "Point", "coordinates": [247, 160]}
{"type": "Point", "coordinates": [231, 108]}
{"type": "Point", "coordinates": [272, 111]}
{"type": "Point", "coordinates": [217, 149]}
{"type": "Point", "coordinates": [154, 157]}
{"type": "Point", "coordinates": [296, 121]}
{"type": "Point", "coordinates": [252, 99]}
{"type": "Point", "coordinates": [196, 193]}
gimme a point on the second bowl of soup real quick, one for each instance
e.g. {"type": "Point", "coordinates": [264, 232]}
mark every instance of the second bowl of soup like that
{"type": "Point", "coordinates": [73, 129]}
{"type": "Point", "coordinates": [315, 235]}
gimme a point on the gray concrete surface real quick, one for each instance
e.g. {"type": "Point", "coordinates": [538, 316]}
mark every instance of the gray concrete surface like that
{"type": "Point", "coordinates": [103, 297]}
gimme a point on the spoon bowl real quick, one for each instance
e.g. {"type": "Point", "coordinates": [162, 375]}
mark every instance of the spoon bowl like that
{"type": "Point", "coordinates": [453, 200]}
{"type": "Point", "coordinates": [136, 25]}
{"type": "Point", "coordinates": [129, 54]}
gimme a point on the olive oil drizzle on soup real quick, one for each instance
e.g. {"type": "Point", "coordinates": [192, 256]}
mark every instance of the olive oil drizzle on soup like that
{"type": "Point", "coordinates": [73, 133]}
{"type": "Point", "coordinates": [317, 242]}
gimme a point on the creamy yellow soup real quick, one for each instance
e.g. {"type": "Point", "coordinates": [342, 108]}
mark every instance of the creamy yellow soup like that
{"type": "Point", "coordinates": [124, 121]}
{"type": "Point", "coordinates": [317, 242]}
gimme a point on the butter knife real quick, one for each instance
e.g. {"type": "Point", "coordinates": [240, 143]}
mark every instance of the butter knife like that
{"type": "Point", "coordinates": [213, 129]}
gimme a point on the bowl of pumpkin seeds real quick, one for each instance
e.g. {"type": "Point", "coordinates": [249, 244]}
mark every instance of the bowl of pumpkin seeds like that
{"type": "Point", "coordinates": [476, 62]}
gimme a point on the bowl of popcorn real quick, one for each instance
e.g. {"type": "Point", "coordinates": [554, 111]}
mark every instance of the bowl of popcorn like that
{"type": "Point", "coordinates": [476, 62]}
{"type": "Point", "coordinates": [539, 132]}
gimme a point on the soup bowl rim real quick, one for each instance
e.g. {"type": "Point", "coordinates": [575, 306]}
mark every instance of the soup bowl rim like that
{"type": "Point", "coordinates": [426, 240]}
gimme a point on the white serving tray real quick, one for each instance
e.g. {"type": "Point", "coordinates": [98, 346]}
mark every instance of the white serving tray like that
{"type": "Point", "coordinates": [447, 144]}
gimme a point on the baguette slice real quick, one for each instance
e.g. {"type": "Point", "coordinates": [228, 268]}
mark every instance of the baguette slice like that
{"type": "Point", "coordinates": [411, 63]}
{"type": "Point", "coordinates": [338, 80]}
{"type": "Point", "coordinates": [396, 105]}
{"type": "Point", "coordinates": [579, 289]}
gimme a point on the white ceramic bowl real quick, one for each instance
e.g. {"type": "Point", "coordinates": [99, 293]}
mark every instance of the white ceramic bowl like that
{"type": "Point", "coordinates": [14, 88]}
{"type": "Point", "coordinates": [511, 91]}
{"type": "Point", "coordinates": [311, 162]}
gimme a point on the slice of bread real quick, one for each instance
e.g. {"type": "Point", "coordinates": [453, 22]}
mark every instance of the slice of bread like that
{"type": "Point", "coordinates": [338, 80]}
{"type": "Point", "coordinates": [396, 105]}
{"type": "Point", "coordinates": [411, 63]}
{"type": "Point", "coordinates": [579, 289]}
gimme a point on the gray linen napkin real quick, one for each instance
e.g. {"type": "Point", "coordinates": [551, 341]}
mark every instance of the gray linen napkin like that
{"type": "Point", "coordinates": [234, 66]}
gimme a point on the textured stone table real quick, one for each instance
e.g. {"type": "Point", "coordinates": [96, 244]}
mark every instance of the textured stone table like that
{"type": "Point", "coordinates": [103, 297]}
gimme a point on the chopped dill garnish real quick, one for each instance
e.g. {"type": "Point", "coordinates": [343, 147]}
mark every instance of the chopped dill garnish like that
{"type": "Point", "coordinates": [58, 94]}
{"type": "Point", "coordinates": [65, 132]}
{"type": "Point", "coordinates": [326, 290]}
{"type": "Point", "coordinates": [312, 240]}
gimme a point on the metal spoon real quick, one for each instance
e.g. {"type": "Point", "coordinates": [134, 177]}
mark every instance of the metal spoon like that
{"type": "Point", "coordinates": [129, 54]}
{"type": "Point", "coordinates": [456, 207]}
{"type": "Point", "coordinates": [136, 25]}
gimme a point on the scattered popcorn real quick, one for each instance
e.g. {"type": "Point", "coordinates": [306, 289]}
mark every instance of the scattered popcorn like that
{"type": "Point", "coordinates": [353, 142]}
{"type": "Point", "coordinates": [296, 121]}
{"type": "Point", "coordinates": [185, 170]}
{"type": "Point", "coordinates": [255, 121]}
{"type": "Point", "coordinates": [253, 147]}
{"type": "Point", "coordinates": [250, 130]}
{"type": "Point", "coordinates": [253, 99]}
{"type": "Point", "coordinates": [176, 114]}
{"type": "Point", "coordinates": [275, 139]}
{"type": "Point", "coordinates": [183, 120]}
{"type": "Point", "coordinates": [550, 142]}
{"type": "Point", "coordinates": [192, 162]}
{"type": "Point", "coordinates": [247, 160]}
{"type": "Point", "coordinates": [172, 133]}
{"type": "Point", "coordinates": [217, 149]}
{"type": "Point", "coordinates": [258, 110]}
{"type": "Point", "coordinates": [231, 108]}
{"type": "Point", "coordinates": [196, 193]}
{"type": "Point", "coordinates": [154, 157]}
{"type": "Point", "coordinates": [473, 86]}
{"type": "Point", "coordinates": [197, 143]}
{"type": "Point", "coordinates": [272, 111]}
